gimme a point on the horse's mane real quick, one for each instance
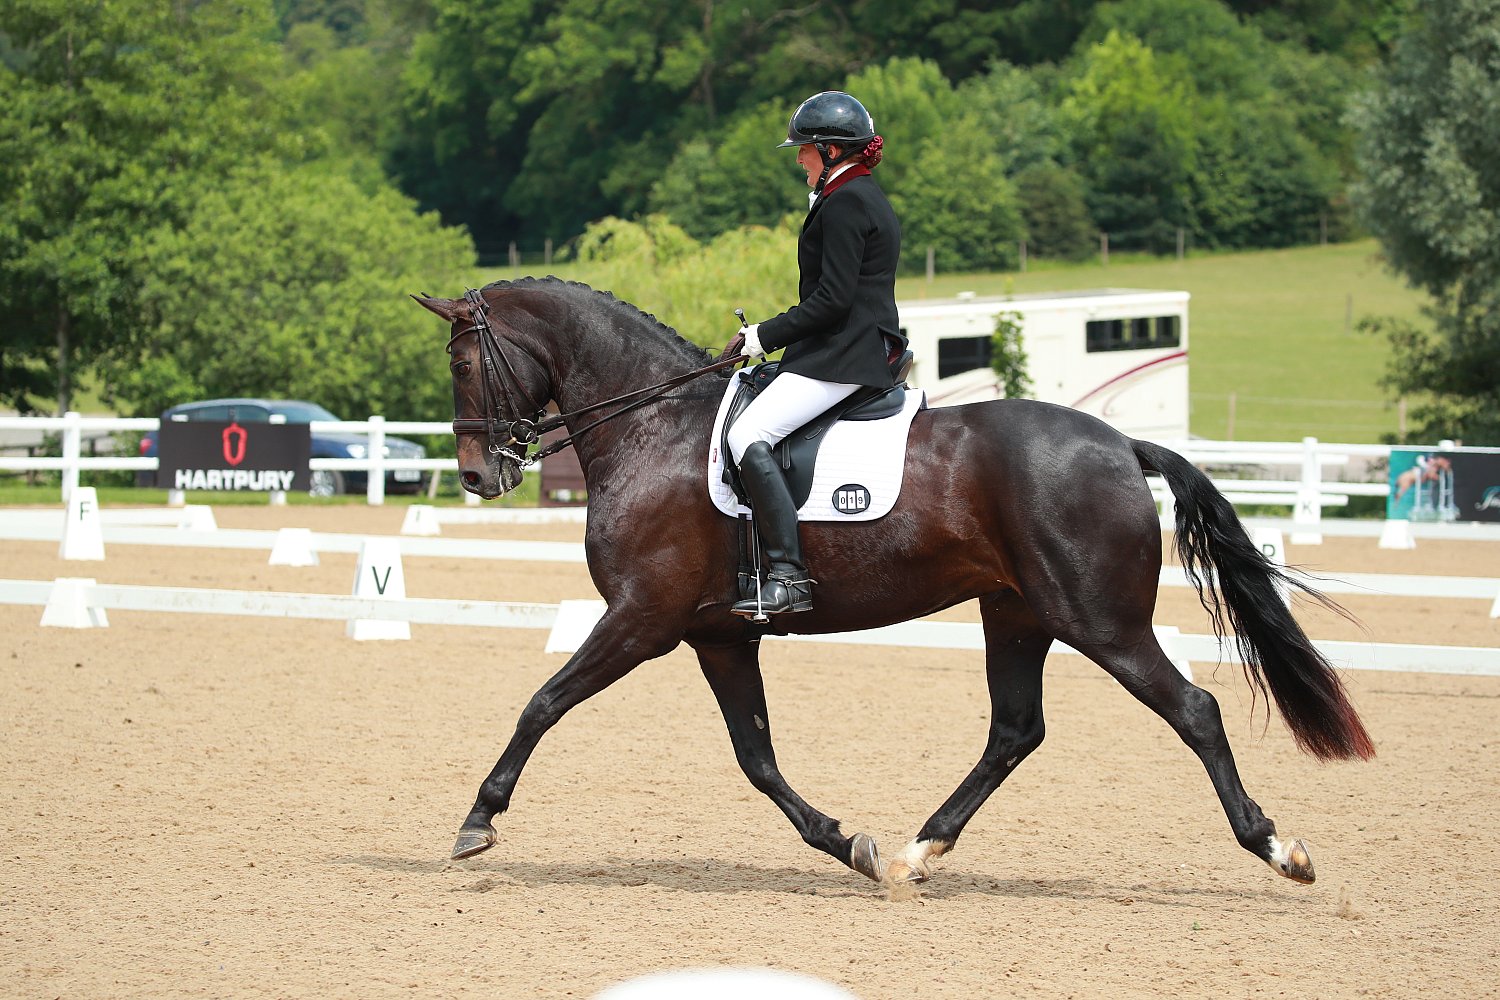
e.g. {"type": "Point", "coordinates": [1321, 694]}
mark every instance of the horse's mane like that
{"type": "Point", "coordinates": [605, 298]}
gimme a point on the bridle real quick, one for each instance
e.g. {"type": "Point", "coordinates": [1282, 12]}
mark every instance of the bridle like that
{"type": "Point", "coordinates": [496, 370]}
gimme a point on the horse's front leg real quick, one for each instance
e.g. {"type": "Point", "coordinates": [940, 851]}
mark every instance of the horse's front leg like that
{"type": "Point", "coordinates": [733, 672]}
{"type": "Point", "coordinates": [621, 641]}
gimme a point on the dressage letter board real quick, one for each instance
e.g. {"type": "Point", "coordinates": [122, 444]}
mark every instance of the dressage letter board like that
{"type": "Point", "coordinates": [233, 456]}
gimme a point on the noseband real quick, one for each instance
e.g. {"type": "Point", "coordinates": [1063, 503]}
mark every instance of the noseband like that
{"type": "Point", "coordinates": [497, 371]}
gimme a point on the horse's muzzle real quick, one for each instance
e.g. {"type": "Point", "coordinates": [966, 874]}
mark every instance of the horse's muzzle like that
{"type": "Point", "coordinates": [495, 479]}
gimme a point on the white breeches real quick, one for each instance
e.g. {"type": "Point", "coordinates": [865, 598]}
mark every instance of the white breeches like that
{"type": "Point", "coordinates": [790, 401]}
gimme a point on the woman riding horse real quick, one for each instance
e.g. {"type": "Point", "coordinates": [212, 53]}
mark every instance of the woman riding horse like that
{"type": "Point", "coordinates": [834, 337]}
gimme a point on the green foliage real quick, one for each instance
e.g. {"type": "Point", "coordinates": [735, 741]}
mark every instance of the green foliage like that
{"type": "Point", "coordinates": [167, 215]}
{"type": "Point", "coordinates": [970, 219]}
{"type": "Point", "coordinates": [1013, 107]}
{"type": "Point", "coordinates": [1008, 357]}
{"type": "Point", "coordinates": [732, 176]}
{"type": "Point", "coordinates": [290, 282]}
{"type": "Point", "coordinates": [693, 287]}
{"type": "Point", "coordinates": [1429, 139]}
{"type": "Point", "coordinates": [1449, 371]}
{"type": "Point", "coordinates": [1134, 123]}
{"type": "Point", "coordinates": [1054, 204]}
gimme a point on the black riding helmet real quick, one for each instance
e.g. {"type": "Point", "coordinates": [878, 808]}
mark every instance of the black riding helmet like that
{"type": "Point", "coordinates": [830, 117]}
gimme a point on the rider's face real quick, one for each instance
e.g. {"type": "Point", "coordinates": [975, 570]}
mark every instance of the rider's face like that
{"type": "Point", "coordinates": [809, 160]}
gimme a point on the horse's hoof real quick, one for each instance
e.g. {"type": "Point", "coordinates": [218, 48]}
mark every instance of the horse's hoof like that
{"type": "Point", "coordinates": [474, 838]}
{"type": "Point", "coordinates": [900, 872]}
{"type": "Point", "coordinates": [1292, 859]}
{"type": "Point", "coordinates": [864, 857]}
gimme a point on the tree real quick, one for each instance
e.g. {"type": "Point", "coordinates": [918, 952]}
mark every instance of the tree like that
{"type": "Point", "coordinates": [1135, 139]}
{"type": "Point", "coordinates": [290, 281]}
{"type": "Point", "coordinates": [1429, 154]}
{"type": "Point", "coordinates": [106, 106]}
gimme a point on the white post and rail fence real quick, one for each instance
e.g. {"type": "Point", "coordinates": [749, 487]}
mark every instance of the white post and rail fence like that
{"type": "Point", "coordinates": [1306, 494]}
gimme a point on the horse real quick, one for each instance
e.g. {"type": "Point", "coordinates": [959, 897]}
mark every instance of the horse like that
{"type": "Point", "coordinates": [1418, 474]}
{"type": "Point", "coordinates": [1040, 513]}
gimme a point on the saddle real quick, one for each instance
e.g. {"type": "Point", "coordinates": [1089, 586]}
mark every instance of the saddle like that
{"type": "Point", "coordinates": [797, 453]}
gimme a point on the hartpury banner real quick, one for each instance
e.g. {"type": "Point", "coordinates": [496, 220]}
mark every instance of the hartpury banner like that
{"type": "Point", "coordinates": [1447, 484]}
{"type": "Point", "coordinates": [233, 456]}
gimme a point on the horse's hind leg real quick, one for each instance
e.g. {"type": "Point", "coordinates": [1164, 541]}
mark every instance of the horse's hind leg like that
{"type": "Point", "coordinates": [1146, 673]}
{"type": "Point", "coordinates": [733, 672]}
{"type": "Point", "coordinates": [1015, 650]}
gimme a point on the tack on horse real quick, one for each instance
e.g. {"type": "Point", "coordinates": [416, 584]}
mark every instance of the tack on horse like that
{"type": "Point", "coordinates": [1001, 504]}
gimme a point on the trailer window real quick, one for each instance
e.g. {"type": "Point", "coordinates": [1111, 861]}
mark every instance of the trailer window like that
{"type": "Point", "coordinates": [1134, 334]}
{"type": "Point", "coordinates": [957, 355]}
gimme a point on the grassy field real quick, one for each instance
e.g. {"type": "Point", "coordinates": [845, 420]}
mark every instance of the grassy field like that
{"type": "Point", "coordinates": [1271, 333]}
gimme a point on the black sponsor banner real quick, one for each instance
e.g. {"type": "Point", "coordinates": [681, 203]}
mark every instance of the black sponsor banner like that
{"type": "Point", "coordinates": [1429, 484]}
{"type": "Point", "coordinates": [233, 456]}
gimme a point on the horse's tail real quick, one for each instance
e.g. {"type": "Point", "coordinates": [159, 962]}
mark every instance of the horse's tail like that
{"type": "Point", "coordinates": [1239, 586]}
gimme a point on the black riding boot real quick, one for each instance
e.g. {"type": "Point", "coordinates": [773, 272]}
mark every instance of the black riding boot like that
{"type": "Point", "coordinates": [788, 587]}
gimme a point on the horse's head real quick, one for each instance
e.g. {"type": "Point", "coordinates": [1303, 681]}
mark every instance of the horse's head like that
{"type": "Point", "coordinates": [495, 407]}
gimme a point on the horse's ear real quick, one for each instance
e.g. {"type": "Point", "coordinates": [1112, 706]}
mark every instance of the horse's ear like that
{"type": "Point", "coordinates": [446, 308]}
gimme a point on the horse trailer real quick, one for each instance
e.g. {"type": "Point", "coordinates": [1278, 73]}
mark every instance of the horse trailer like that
{"type": "Point", "coordinates": [1119, 354]}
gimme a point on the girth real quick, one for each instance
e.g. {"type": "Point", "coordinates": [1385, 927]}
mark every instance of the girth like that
{"type": "Point", "coordinates": [797, 453]}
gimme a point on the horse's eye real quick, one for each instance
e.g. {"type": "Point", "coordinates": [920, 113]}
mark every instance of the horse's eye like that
{"type": "Point", "coordinates": [462, 368]}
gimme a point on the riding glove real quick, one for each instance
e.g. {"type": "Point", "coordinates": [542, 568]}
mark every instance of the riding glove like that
{"type": "Point", "coordinates": [752, 348]}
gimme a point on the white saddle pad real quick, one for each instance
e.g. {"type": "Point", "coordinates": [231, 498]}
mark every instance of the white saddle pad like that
{"type": "Point", "coordinates": [859, 468]}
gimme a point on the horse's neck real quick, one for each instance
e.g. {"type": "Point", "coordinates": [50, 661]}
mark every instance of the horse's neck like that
{"type": "Point", "coordinates": [601, 369]}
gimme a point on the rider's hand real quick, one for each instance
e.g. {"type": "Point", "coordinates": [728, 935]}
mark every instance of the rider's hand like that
{"type": "Point", "coordinates": [752, 348]}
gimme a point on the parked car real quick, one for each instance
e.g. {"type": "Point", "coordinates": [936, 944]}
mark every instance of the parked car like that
{"type": "Point", "coordinates": [325, 444]}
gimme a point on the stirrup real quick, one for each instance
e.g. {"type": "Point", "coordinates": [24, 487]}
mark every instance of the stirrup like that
{"type": "Point", "coordinates": [776, 597]}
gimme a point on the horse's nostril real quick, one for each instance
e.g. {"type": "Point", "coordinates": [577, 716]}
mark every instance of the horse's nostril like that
{"type": "Point", "coordinates": [471, 479]}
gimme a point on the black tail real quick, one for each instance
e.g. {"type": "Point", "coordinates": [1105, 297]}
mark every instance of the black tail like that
{"type": "Point", "coordinates": [1242, 590]}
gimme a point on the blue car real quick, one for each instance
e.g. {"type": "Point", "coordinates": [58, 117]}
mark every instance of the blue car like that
{"type": "Point", "coordinates": [325, 444]}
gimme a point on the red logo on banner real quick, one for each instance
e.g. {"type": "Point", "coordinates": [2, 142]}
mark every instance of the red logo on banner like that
{"type": "Point", "coordinates": [235, 438]}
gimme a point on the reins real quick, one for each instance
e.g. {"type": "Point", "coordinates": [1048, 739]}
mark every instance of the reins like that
{"type": "Point", "coordinates": [527, 431]}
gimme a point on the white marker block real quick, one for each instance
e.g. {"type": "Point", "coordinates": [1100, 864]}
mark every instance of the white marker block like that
{"type": "Point", "coordinates": [1495, 608]}
{"type": "Point", "coordinates": [1270, 543]}
{"type": "Point", "coordinates": [293, 547]}
{"type": "Point", "coordinates": [276, 498]}
{"type": "Point", "coordinates": [1166, 638]}
{"type": "Point", "coordinates": [472, 499]}
{"type": "Point", "coordinates": [198, 517]}
{"type": "Point", "coordinates": [421, 519]}
{"type": "Point", "coordinates": [1396, 534]}
{"type": "Point", "coordinates": [83, 535]}
{"type": "Point", "coordinates": [379, 575]}
{"type": "Point", "coordinates": [176, 498]}
{"type": "Point", "coordinates": [1307, 519]}
{"type": "Point", "coordinates": [575, 620]}
{"type": "Point", "coordinates": [725, 984]}
{"type": "Point", "coordinates": [68, 607]}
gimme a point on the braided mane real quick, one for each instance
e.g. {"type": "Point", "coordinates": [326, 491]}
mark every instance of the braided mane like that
{"type": "Point", "coordinates": [605, 298]}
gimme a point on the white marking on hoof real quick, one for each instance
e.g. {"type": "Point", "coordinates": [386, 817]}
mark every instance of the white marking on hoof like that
{"type": "Point", "coordinates": [1291, 859]}
{"type": "Point", "coordinates": [912, 864]}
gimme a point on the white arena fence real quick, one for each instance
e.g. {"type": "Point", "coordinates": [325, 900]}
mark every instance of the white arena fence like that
{"type": "Point", "coordinates": [1307, 494]}
{"type": "Point", "coordinates": [570, 621]}
{"type": "Point", "coordinates": [120, 528]}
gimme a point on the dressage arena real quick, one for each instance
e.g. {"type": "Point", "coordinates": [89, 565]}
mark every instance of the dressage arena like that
{"type": "Point", "coordinates": [204, 805]}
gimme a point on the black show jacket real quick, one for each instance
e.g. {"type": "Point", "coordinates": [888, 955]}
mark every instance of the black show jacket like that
{"type": "Point", "coordinates": [847, 255]}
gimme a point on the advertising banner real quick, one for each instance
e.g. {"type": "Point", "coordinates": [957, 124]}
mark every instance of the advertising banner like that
{"type": "Point", "coordinates": [1451, 484]}
{"type": "Point", "coordinates": [233, 456]}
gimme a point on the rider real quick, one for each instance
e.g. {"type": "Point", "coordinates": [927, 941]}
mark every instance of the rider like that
{"type": "Point", "coordinates": [847, 256]}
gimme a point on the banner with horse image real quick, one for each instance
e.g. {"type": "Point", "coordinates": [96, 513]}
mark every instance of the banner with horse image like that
{"type": "Point", "coordinates": [1444, 484]}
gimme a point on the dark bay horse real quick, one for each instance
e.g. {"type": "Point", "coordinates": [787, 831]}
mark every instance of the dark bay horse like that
{"type": "Point", "coordinates": [1040, 513]}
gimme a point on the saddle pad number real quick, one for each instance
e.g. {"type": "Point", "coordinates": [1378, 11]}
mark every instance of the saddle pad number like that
{"type": "Point", "coordinates": [851, 499]}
